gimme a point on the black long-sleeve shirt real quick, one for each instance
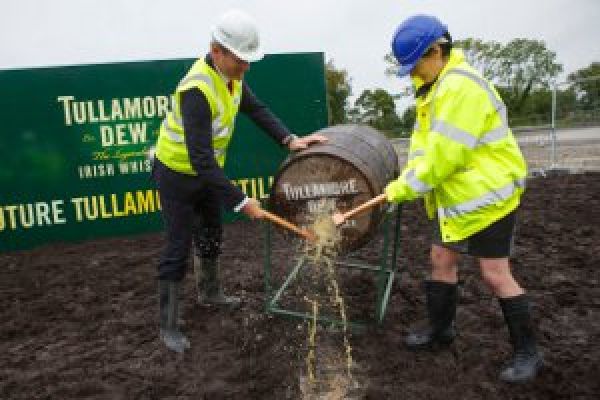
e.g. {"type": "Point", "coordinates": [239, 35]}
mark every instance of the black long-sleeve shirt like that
{"type": "Point", "coordinates": [197, 124]}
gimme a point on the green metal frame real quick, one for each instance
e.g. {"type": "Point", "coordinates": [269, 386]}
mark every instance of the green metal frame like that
{"type": "Point", "coordinates": [385, 271]}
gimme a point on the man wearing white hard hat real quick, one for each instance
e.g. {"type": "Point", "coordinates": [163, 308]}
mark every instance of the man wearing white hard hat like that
{"type": "Point", "coordinates": [190, 155]}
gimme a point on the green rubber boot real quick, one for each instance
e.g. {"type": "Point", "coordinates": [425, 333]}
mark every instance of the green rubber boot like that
{"type": "Point", "coordinates": [210, 291]}
{"type": "Point", "coordinates": [170, 334]}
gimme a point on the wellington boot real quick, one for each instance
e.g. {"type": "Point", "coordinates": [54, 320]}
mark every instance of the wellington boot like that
{"type": "Point", "coordinates": [210, 291]}
{"type": "Point", "coordinates": [170, 334]}
{"type": "Point", "coordinates": [527, 360]}
{"type": "Point", "coordinates": [441, 310]}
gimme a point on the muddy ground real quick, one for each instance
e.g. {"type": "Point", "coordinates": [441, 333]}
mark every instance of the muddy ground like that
{"type": "Point", "coordinates": [78, 321]}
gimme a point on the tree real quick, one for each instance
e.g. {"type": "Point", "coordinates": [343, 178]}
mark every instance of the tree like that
{"type": "Point", "coordinates": [392, 68]}
{"type": "Point", "coordinates": [338, 90]}
{"type": "Point", "coordinates": [405, 88]}
{"type": "Point", "coordinates": [483, 56]}
{"type": "Point", "coordinates": [407, 121]}
{"type": "Point", "coordinates": [526, 65]}
{"type": "Point", "coordinates": [586, 84]}
{"type": "Point", "coordinates": [377, 108]}
{"type": "Point", "coordinates": [519, 67]}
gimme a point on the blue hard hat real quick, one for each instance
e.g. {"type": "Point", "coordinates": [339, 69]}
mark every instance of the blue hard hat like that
{"type": "Point", "coordinates": [413, 37]}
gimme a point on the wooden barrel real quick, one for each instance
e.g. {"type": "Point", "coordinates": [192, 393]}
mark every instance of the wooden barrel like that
{"type": "Point", "coordinates": [352, 167]}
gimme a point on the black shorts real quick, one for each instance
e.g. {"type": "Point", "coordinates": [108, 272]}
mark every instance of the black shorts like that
{"type": "Point", "coordinates": [495, 241]}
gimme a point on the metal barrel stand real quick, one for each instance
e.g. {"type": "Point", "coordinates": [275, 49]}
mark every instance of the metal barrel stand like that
{"type": "Point", "coordinates": [384, 271]}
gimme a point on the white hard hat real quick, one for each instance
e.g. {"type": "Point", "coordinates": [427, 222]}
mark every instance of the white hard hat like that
{"type": "Point", "coordinates": [238, 33]}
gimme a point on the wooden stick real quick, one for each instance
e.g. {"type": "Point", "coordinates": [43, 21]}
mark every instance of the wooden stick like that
{"type": "Point", "coordinates": [338, 219]}
{"type": "Point", "coordinates": [286, 224]}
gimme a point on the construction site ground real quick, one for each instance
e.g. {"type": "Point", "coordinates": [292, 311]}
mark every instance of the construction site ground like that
{"type": "Point", "coordinates": [79, 321]}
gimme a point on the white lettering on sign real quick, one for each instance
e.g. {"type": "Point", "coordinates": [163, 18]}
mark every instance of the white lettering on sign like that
{"type": "Point", "coordinates": [123, 134]}
{"type": "Point", "coordinates": [119, 109]}
{"type": "Point", "coordinates": [99, 170]}
{"type": "Point", "coordinates": [317, 190]}
{"type": "Point", "coordinates": [120, 161]}
{"type": "Point", "coordinates": [323, 205]}
{"type": "Point", "coordinates": [135, 167]}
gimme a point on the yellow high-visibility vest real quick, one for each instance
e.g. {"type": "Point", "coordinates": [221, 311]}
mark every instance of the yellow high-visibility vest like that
{"type": "Point", "coordinates": [171, 149]}
{"type": "Point", "coordinates": [463, 157]}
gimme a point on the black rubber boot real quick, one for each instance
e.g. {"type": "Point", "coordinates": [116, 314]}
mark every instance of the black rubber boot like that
{"type": "Point", "coordinates": [441, 310]}
{"type": "Point", "coordinates": [527, 360]}
{"type": "Point", "coordinates": [210, 291]}
{"type": "Point", "coordinates": [170, 334]}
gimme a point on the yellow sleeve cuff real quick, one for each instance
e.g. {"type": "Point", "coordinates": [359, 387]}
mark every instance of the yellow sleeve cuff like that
{"type": "Point", "coordinates": [395, 192]}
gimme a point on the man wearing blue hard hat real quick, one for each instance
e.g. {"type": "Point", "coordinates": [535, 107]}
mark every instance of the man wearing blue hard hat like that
{"type": "Point", "coordinates": [465, 162]}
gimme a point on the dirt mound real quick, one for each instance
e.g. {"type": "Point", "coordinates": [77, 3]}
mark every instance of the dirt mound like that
{"type": "Point", "coordinates": [78, 321]}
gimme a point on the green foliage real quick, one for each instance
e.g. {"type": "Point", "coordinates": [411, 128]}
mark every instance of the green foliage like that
{"type": "Point", "coordinates": [393, 67]}
{"type": "Point", "coordinates": [483, 56]}
{"type": "Point", "coordinates": [520, 67]}
{"type": "Point", "coordinates": [538, 109]}
{"type": "Point", "coordinates": [586, 84]}
{"type": "Point", "coordinates": [378, 109]}
{"type": "Point", "coordinates": [338, 90]}
{"type": "Point", "coordinates": [407, 122]}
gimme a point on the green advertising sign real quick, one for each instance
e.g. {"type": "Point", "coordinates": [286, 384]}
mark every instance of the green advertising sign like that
{"type": "Point", "coordinates": [74, 144]}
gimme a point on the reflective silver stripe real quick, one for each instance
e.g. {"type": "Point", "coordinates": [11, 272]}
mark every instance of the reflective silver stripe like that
{"type": "Point", "coordinates": [454, 133]}
{"type": "Point", "coordinates": [219, 152]}
{"type": "Point", "coordinates": [487, 199]}
{"type": "Point", "coordinates": [496, 133]}
{"type": "Point", "coordinates": [416, 127]}
{"type": "Point", "coordinates": [218, 129]}
{"type": "Point", "coordinates": [415, 184]}
{"type": "Point", "coordinates": [178, 120]}
{"type": "Point", "coordinates": [198, 77]}
{"type": "Point", "coordinates": [206, 79]}
{"type": "Point", "coordinates": [173, 135]}
{"type": "Point", "coordinates": [177, 138]}
{"type": "Point", "coordinates": [493, 135]}
{"type": "Point", "coordinates": [416, 153]}
{"type": "Point", "coordinates": [498, 105]}
{"type": "Point", "coordinates": [221, 132]}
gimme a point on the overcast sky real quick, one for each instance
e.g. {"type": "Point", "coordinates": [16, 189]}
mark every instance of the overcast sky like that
{"type": "Point", "coordinates": [355, 34]}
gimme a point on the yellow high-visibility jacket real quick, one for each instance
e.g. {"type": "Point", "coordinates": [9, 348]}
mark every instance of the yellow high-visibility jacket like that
{"type": "Point", "coordinates": [171, 149]}
{"type": "Point", "coordinates": [463, 157]}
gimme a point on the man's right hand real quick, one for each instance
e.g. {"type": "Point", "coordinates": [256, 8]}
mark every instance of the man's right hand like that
{"type": "Point", "coordinates": [253, 210]}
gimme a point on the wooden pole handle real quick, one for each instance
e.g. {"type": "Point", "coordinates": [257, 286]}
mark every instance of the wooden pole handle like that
{"type": "Point", "coordinates": [365, 206]}
{"type": "Point", "coordinates": [286, 224]}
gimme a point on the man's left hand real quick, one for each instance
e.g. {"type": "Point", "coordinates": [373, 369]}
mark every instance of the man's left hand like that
{"type": "Point", "coordinates": [304, 142]}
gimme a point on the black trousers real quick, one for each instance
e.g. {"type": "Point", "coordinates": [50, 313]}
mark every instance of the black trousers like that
{"type": "Point", "coordinates": [191, 211]}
